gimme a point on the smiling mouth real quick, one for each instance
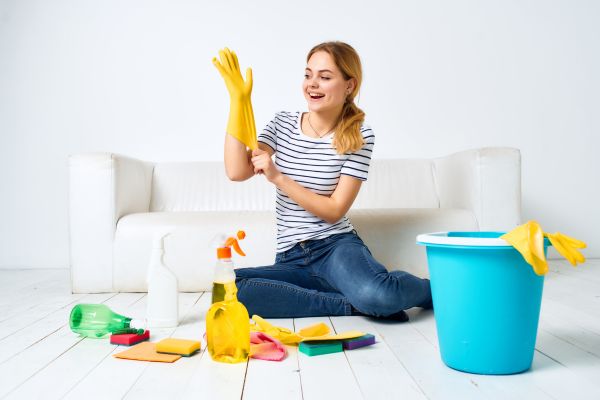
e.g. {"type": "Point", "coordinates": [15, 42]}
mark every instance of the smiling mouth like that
{"type": "Point", "coordinates": [316, 96]}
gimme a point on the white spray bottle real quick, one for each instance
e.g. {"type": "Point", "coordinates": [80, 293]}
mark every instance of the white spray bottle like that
{"type": "Point", "coordinates": [163, 292]}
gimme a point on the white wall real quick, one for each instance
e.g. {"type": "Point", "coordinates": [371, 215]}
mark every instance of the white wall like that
{"type": "Point", "coordinates": [135, 77]}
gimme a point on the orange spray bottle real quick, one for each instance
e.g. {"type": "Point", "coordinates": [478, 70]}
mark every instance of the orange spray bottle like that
{"type": "Point", "coordinates": [227, 320]}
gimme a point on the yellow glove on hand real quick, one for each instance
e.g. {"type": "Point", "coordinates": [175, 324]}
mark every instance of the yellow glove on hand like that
{"type": "Point", "coordinates": [528, 239]}
{"type": "Point", "coordinates": [319, 331]}
{"type": "Point", "coordinates": [241, 116]}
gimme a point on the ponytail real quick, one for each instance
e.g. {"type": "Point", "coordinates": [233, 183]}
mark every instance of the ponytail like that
{"type": "Point", "coordinates": [348, 137]}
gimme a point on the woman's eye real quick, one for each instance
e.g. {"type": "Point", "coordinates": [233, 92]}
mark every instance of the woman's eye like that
{"type": "Point", "coordinates": [305, 76]}
{"type": "Point", "coordinates": [326, 78]}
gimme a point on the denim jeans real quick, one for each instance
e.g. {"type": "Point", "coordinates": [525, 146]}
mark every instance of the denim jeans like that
{"type": "Point", "coordinates": [332, 276]}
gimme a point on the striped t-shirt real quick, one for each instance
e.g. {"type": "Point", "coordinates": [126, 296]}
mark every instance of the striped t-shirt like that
{"type": "Point", "coordinates": [314, 164]}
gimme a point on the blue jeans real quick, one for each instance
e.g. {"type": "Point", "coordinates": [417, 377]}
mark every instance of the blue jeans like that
{"type": "Point", "coordinates": [332, 276]}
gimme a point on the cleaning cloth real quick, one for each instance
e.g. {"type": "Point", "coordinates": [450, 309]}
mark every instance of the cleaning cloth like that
{"type": "Point", "coordinates": [319, 331]}
{"type": "Point", "coordinates": [146, 351]}
{"type": "Point", "coordinates": [264, 347]}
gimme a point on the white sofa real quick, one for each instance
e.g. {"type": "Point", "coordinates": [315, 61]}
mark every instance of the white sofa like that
{"type": "Point", "coordinates": [117, 204]}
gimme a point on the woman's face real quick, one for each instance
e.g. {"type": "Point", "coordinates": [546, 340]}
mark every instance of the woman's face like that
{"type": "Point", "coordinates": [324, 86]}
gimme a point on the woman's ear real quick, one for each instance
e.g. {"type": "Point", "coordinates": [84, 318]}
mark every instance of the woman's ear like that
{"type": "Point", "coordinates": [351, 85]}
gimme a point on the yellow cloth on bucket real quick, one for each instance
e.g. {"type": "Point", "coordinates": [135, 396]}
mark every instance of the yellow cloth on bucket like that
{"type": "Point", "coordinates": [146, 351]}
{"type": "Point", "coordinates": [318, 331]}
{"type": "Point", "coordinates": [528, 239]}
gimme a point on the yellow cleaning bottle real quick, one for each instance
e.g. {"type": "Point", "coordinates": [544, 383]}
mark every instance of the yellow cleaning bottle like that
{"type": "Point", "coordinates": [227, 320]}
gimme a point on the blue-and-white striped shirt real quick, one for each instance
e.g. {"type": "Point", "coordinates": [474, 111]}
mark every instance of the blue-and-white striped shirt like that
{"type": "Point", "coordinates": [314, 164]}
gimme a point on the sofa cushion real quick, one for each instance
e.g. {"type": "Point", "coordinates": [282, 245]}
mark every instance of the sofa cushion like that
{"type": "Point", "coordinates": [203, 186]}
{"type": "Point", "coordinates": [398, 184]}
{"type": "Point", "coordinates": [190, 249]}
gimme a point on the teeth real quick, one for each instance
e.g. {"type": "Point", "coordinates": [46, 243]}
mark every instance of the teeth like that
{"type": "Point", "coordinates": [315, 94]}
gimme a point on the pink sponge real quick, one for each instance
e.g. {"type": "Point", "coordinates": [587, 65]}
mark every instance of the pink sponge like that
{"type": "Point", "coordinates": [129, 338]}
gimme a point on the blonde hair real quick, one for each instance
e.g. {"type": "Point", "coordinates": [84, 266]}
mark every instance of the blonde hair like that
{"type": "Point", "coordinates": [348, 138]}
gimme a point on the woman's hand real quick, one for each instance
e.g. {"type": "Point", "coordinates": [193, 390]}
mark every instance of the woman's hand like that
{"type": "Point", "coordinates": [263, 164]}
{"type": "Point", "coordinates": [241, 123]}
{"type": "Point", "coordinates": [229, 68]}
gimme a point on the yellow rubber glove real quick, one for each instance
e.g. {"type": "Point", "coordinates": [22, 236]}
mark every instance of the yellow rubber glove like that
{"type": "Point", "coordinates": [319, 331]}
{"type": "Point", "coordinates": [241, 116]}
{"type": "Point", "coordinates": [528, 239]}
{"type": "Point", "coordinates": [284, 335]}
{"type": "Point", "coordinates": [567, 247]}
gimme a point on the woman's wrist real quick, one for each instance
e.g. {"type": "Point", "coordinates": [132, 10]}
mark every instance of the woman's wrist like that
{"type": "Point", "coordinates": [278, 179]}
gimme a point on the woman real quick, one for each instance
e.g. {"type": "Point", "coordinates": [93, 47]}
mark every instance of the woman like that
{"type": "Point", "coordinates": [322, 267]}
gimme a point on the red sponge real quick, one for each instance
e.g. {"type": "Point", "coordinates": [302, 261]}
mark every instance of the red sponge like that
{"type": "Point", "coordinates": [129, 338]}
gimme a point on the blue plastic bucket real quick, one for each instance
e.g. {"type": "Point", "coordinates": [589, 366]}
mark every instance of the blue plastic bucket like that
{"type": "Point", "coordinates": [486, 301]}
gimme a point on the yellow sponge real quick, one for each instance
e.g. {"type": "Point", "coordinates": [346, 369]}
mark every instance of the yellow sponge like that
{"type": "Point", "coordinates": [182, 347]}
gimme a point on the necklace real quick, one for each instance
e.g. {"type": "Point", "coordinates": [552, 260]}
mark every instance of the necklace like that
{"type": "Point", "coordinates": [315, 131]}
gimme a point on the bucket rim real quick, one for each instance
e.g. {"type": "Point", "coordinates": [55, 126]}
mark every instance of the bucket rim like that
{"type": "Point", "coordinates": [443, 238]}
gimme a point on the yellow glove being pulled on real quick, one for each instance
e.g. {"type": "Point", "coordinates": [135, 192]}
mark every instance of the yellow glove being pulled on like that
{"type": "Point", "coordinates": [241, 116]}
{"type": "Point", "coordinates": [319, 331]}
{"type": "Point", "coordinates": [528, 239]}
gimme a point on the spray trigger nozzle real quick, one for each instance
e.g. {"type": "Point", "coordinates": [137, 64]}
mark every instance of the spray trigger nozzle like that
{"type": "Point", "coordinates": [233, 242]}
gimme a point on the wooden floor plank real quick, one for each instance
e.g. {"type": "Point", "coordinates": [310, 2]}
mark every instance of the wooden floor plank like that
{"type": "Point", "coordinates": [165, 380]}
{"type": "Point", "coordinates": [378, 372]}
{"type": "Point", "coordinates": [574, 334]}
{"type": "Point", "coordinates": [18, 297]}
{"type": "Point", "coordinates": [511, 386]}
{"type": "Point", "coordinates": [584, 365]}
{"type": "Point", "coordinates": [44, 306]}
{"type": "Point", "coordinates": [119, 374]}
{"type": "Point", "coordinates": [19, 341]}
{"type": "Point", "coordinates": [282, 378]}
{"type": "Point", "coordinates": [521, 385]}
{"type": "Point", "coordinates": [211, 379]}
{"type": "Point", "coordinates": [38, 371]}
{"type": "Point", "coordinates": [326, 376]}
{"type": "Point", "coordinates": [36, 348]}
{"type": "Point", "coordinates": [558, 381]}
{"type": "Point", "coordinates": [580, 293]}
{"type": "Point", "coordinates": [421, 358]}
{"type": "Point", "coordinates": [586, 271]}
{"type": "Point", "coordinates": [24, 281]}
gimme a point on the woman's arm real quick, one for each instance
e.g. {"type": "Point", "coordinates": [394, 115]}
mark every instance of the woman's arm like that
{"type": "Point", "coordinates": [237, 159]}
{"type": "Point", "coordinates": [329, 208]}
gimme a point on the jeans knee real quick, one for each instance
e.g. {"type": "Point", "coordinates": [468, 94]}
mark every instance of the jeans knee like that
{"type": "Point", "coordinates": [240, 283]}
{"type": "Point", "coordinates": [371, 300]}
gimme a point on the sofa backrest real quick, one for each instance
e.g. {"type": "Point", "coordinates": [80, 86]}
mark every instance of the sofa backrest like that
{"type": "Point", "coordinates": [203, 186]}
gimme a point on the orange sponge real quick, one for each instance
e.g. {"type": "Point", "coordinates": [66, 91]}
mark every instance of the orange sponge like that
{"type": "Point", "coordinates": [182, 347]}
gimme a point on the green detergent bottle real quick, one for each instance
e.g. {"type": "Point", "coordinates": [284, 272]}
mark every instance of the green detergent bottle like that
{"type": "Point", "coordinates": [97, 320]}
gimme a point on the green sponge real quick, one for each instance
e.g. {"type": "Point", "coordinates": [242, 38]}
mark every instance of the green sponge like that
{"type": "Point", "coordinates": [316, 348]}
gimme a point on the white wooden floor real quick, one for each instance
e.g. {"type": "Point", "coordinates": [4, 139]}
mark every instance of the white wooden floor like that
{"type": "Point", "coordinates": [41, 358]}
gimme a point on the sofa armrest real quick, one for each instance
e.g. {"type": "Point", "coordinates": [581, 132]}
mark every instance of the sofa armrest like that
{"type": "Point", "coordinates": [486, 181]}
{"type": "Point", "coordinates": [103, 187]}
